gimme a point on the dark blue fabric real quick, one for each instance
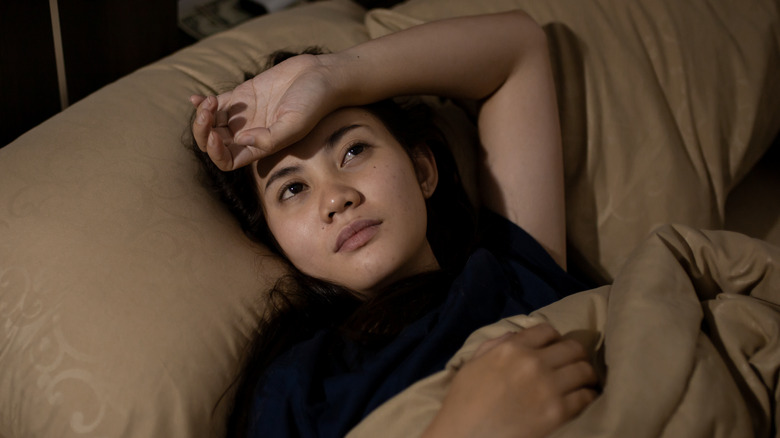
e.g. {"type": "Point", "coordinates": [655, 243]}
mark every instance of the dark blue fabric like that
{"type": "Point", "coordinates": [313, 391]}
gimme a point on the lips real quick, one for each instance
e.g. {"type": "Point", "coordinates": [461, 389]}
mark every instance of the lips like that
{"type": "Point", "coordinates": [356, 234]}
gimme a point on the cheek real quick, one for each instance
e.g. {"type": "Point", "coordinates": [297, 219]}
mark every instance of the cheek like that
{"type": "Point", "coordinates": [295, 237]}
{"type": "Point", "coordinates": [397, 186]}
{"type": "Point", "coordinates": [406, 189]}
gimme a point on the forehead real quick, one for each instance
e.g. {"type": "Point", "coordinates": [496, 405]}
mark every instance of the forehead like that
{"type": "Point", "coordinates": [313, 142]}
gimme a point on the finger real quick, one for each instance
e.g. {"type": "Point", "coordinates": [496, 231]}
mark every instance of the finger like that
{"type": "Point", "coordinates": [575, 376]}
{"type": "Point", "coordinates": [201, 127]}
{"type": "Point", "coordinates": [221, 119]}
{"type": "Point", "coordinates": [224, 134]}
{"type": "Point", "coordinates": [218, 152]}
{"type": "Point", "coordinates": [534, 337]}
{"type": "Point", "coordinates": [286, 130]}
{"type": "Point", "coordinates": [575, 402]}
{"type": "Point", "coordinates": [210, 102]}
{"type": "Point", "coordinates": [259, 138]}
{"type": "Point", "coordinates": [197, 99]}
{"type": "Point", "coordinates": [244, 155]}
{"type": "Point", "coordinates": [562, 352]}
{"type": "Point", "coordinates": [223, 100]}
{"type": "Point", "coordinates": [490, 344]}
{"type": "Point", "coordinates": [537, 336]}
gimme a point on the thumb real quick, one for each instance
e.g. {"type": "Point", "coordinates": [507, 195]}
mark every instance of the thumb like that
{"type": "Point", "coordinates": [285, 131]}
{"type": "Point", "coordinates": [257, 138]}
{"type": "Point", "coordinates": [254, 144]}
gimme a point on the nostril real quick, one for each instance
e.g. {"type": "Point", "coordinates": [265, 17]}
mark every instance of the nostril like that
{"type": "Point", "coordinates": [335, 209]}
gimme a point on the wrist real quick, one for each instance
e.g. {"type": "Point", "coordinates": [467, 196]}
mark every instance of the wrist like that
{"type": "Point", "coordinates": [346, 75]}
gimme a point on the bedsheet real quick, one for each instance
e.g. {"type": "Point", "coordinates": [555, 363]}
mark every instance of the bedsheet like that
{"type": "Point", "coordinates": [685, 341]}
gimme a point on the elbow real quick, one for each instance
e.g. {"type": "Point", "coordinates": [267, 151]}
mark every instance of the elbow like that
{"type": "Point", "coordinates": [531, 33]}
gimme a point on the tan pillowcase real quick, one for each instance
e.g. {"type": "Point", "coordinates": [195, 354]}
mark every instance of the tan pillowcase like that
{"type": "Point", "coordinates": [126, 291]}
{"type": "Point", "coordinates": [665, 106]}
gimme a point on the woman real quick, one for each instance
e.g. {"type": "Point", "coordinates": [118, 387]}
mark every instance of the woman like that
{"type": "Point", "coordinates": [335, 183]}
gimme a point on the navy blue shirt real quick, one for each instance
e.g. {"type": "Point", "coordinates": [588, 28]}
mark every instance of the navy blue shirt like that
{"type": "Point", "coordinates": [312, 392]}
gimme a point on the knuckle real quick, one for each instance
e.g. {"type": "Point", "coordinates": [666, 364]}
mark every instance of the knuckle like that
{"type": "Point", "coordinates": [539, 334]}
{"type": "Point", "coordinates": [532, 365]}
{"type": "Point", "coordinates": [576, 349]}
{"type": "Point", "coordinates": [547, 329]}
{"type": "Point", "coordinates": [588, 371]}
{"type": "Point", "coordinates": [501, 348]}
{"type": "Point", "coordinates": [504, 352]}
{"type": "Point", "coordinates": [555, 411]}
{"type": "Point", "coordinates": [581, 399]}
{"type": "Point", "coordinates": [584, 370]}
{"type": "Point", "coordinates": [486, 346]}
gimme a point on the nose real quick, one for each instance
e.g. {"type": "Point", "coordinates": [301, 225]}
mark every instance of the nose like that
{"type": "Point", "coordinates": [338, 198]}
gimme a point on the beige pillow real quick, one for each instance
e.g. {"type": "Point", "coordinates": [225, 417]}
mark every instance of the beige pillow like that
{"type": "Point", "coordinates": [126, 291]}
{"type": "Point", "coordinates": [665, 106]}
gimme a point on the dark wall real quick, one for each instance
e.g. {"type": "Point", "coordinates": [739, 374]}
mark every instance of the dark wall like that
{"type": "Point", "coordinates": [28, 74]}
{"type": "Point", "coordinates": [102, 40]}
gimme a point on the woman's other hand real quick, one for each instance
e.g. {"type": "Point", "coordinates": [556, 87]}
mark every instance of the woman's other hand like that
{"type": "Point", "coordinates": [265, 114]}
{"type": "Point", "coordinates": [523, 384]}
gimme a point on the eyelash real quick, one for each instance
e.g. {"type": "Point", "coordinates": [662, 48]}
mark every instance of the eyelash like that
{"type": "Point", "coordinates": [362, 148]}
{"type": "Point", "coordinates": [286, 189]}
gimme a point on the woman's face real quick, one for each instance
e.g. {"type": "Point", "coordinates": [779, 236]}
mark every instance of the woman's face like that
{"type": "Point", "coordinates": [347, 204]}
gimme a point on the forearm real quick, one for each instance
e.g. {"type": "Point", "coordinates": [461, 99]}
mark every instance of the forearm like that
{"type": "Point", "coordinates": [468, 57]}
{"type": "Point", "coordinates": [502, 60]}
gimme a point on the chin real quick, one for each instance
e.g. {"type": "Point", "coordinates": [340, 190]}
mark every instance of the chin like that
{"type": "Point", "coordinates": [371, 286]}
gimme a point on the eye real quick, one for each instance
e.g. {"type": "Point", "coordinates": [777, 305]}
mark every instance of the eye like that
{"type": "Point", "coordinates": [290, 190]}
{"type": "Point", "coordinates": [353, 151]}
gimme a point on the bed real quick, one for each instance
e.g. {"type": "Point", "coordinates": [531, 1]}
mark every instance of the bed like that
{"type": "Point", "coordinates": [127, 293]}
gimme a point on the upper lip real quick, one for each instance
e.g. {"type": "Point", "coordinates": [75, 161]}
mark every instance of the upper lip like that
{"type": "Point", "coordinates": [353, 228]}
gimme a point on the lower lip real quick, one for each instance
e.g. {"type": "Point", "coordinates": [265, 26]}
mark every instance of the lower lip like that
{"type": "Point", "coordinates": [359, 239]}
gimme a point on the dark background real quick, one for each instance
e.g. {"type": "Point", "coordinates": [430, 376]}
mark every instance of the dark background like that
{"type": "Point", "coordinates": [102, 40]}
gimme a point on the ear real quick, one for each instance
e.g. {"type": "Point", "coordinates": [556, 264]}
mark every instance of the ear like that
{"type": "Point", "coordinates": [426, 170]}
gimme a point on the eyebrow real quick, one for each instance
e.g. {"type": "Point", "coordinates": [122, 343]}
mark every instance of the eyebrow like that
{"type": "Point", "coordinates": [338, 134]}
{"type": "Point", "coordinates": [330, 142]}
{"type": "Point", "coordinates": [281, 173]}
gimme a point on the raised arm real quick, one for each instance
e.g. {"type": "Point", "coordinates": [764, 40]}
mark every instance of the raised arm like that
{"type": "Point", "coordinates": [500, 60]}
{"type": "Point", "coordinates": [503, 61]}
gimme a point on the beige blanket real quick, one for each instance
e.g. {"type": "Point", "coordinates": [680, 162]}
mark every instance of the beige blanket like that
{"type": "Point", "coordinates": [685, 341]}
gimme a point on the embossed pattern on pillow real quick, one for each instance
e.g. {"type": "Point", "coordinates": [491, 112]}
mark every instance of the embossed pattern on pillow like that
{"type": "Point", "coordinates": [126, 292]}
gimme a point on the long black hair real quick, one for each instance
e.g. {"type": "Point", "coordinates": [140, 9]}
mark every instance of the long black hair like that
{"type": "Point", "coordinates": [297, 306]}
